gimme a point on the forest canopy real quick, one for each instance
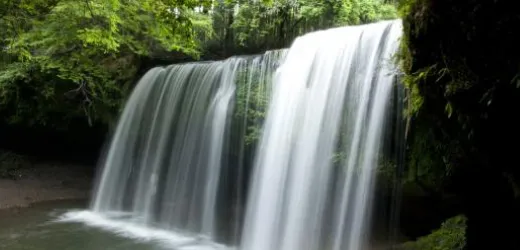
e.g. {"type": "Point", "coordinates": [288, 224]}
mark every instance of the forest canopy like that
{"type": "Point", "coordinates": [63, 60]}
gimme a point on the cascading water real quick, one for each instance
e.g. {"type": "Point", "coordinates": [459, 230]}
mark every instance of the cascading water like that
{"type": "Point", "coordinates": [333, 84]}
{"type": "Point", "coordinates": [179, 162]}
{"type": "Point", "coordinates": [168, 165]}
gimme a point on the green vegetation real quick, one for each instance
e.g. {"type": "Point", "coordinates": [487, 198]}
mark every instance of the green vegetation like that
{"type": "Point", "coordinates": [251, 102]}
{"type": "Point", "coordinates": [461, 65]}
{"type": "Point", "coordinates": [275, 25]}
{"type": "Point", "coordinates": [63, 60]}
{"type": "Point", "coordinates": [66, 62]}
{"type": "Point", "coordinates": [451, 236]}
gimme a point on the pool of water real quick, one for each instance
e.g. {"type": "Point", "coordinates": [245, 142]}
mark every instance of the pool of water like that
{"type": "Point", "coordinates": [41, 227]}
{"type": "Point", "coordinates": [67, 225]}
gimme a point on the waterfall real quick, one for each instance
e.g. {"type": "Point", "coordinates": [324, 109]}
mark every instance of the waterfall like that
{"type": "Point", "coordinates": [172, 145]}
{"type": "Point", "coordinates": [333, 85]}
{"type": "Point", "coordinates": [193, 162]}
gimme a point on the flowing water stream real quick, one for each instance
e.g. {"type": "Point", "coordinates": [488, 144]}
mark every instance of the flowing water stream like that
{"type": "Point", "coordinates": [334, 83]}
{"type": "Point", "coordinates": [270, 152]}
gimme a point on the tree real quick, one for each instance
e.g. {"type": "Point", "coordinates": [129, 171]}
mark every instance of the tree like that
{"type": "Point", "coordinates": [62, 60]}
{"type": "Point", "coordinates": [253, 26]}
{"type": "Point", "coordinates": [73, 58]}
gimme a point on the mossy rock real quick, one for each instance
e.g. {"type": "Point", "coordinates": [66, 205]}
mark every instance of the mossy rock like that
{"type": "Point", "coordinates": [451, 236]}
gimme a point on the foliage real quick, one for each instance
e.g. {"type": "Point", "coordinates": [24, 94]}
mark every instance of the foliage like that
{"type": "Point", "coordinates": [63, 60]}
{"type": "Point", "coordinates": [258, 25]}
{"type": "Point", "coordinates": [461, 76]}
{"type": "Point", "coordinates": [252, 96]}
{"type": "Point", "coordinates": [76, 58]}
{"type": "Point", "coordinates": [452, 81]}
{"type": "Point", "coordinates": [451, 236]}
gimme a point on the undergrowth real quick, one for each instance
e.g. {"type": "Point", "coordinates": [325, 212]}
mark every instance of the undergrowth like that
{"type": "Point", "coordinates": [450, 236]}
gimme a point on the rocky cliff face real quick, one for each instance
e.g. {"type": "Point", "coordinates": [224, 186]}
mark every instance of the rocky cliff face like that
{"type": "Point", "coordinates": [462, 63]}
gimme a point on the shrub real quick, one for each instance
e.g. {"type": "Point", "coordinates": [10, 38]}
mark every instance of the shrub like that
{"type": "Point", "coordinates": [451, 236]}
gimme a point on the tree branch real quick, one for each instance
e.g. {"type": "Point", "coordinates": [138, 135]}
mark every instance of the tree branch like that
{"type": "Point", "coordinates": [89, 8]}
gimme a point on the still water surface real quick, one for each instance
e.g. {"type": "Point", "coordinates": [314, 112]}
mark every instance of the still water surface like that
{"type": "Point", "coordinates": [36, 228]}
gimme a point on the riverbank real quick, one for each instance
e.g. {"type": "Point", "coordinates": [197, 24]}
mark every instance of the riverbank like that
{"type": "Point", "coordinates": [36, 183]}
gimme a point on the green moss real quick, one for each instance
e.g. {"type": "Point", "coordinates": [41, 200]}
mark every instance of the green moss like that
{"type": "Point", "coordinates": [451, 236]}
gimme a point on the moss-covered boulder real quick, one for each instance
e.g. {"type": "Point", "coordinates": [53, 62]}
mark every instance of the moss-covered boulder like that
{"type": "Point", "coordinates": [450, 236]}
